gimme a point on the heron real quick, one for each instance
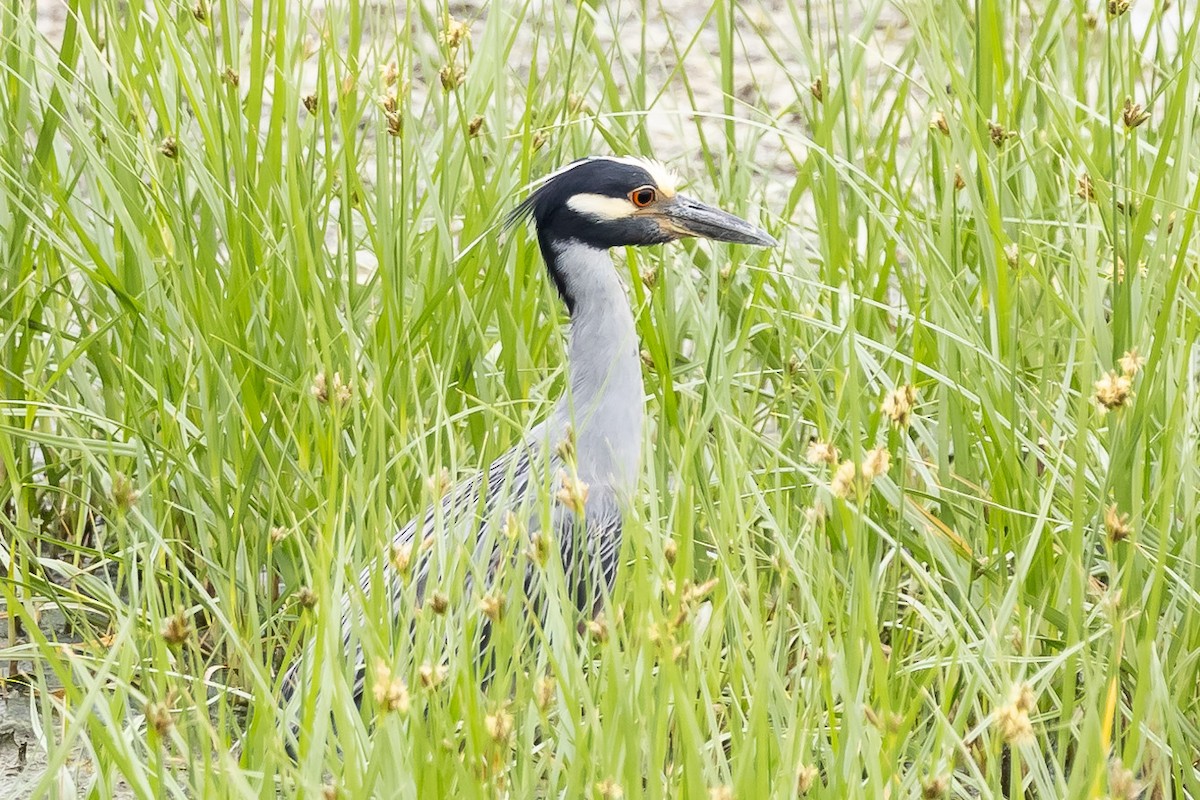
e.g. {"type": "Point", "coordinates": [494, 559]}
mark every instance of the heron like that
{"type": "Point", "coordinates": [592, 440]}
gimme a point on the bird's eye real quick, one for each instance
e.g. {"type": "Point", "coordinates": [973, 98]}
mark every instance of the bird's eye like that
{"type": "Point", "coordinates": [642, 196]}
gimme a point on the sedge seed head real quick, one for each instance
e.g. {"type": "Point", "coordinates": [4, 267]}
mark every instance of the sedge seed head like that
{"type": "Point", "coordinates": [806, 778]}
{"type": "Point", "coordinates": [492, 606]}
{"type": "Point", "coordinates": [1113, 391]}
{"type": "Point", "coordinates": [1084, 189]}
{"type": "Point", "coordinates": [609, 789]}
{"type": "Point", "coordinates": [158, 717]}
{"type": "Point", "coordinates": [842, 484]}
{"type": "Point", "coordinates": [1116, 524]}
{"type": "Point", "coordinates": [1133, 115]}
{"type": "Point", "coordinates": [899, 403]}
{"type": "Point", "coordinates": [176, 630]}
{"type": "Point", "coordinates": [821, 453]}
{"type": "Point", "coordinates": [455, 34]}
{"type": "Point", "coordinates": [439, 603]}
{"type": "Point", "coordinates": [1121, 783]}
{"type": "Point", "coordinates": [499, 725]}
{"type": "Point", "coordinates": [1131, 363]}
{"type": "Point", "coordinates": [390, 691]}
{"type": "Point", "coordinates": [432, 676]}
{"type": "Point", "coordinates": [1014, 725]}
{"type": "Point", "coordinates": [935, 787]}
{"type": "Point", "coordinates": [876, 463]}
{"type": "Point", "coordinates": [544, 692]}
{"type": "Point", "coordinates": [938, 123]}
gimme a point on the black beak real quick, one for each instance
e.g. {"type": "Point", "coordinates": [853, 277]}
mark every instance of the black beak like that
{"type": "Point", "coordinates": [688, 217]}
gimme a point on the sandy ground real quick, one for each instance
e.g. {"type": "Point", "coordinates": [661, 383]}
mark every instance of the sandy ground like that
{"type": "Point", "coordinates": [670, 125]}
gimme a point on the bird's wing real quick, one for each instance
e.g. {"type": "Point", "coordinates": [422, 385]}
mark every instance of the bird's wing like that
{"type": "Point", "coordinates": [590, 547]}
{"type": "Point", "coordinates": [463, 512]}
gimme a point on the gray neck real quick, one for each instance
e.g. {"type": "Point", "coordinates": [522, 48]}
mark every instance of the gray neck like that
{"type": "Point", "coordinates": [605, 396]}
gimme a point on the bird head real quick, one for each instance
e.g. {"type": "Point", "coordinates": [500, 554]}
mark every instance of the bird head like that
{"type": "Point", "coordinates": [607, 201]}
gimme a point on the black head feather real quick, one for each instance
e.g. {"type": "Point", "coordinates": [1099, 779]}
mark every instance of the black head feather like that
{"type": "Point", "coordinates": [555, 220]}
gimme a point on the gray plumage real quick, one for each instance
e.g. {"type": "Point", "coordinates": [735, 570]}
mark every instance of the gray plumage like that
{"type": "Point", "coordinates": [580, 212]}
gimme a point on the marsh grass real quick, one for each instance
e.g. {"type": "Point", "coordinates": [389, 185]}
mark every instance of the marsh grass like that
{"type": "Point", "coordinates": [207, 217]}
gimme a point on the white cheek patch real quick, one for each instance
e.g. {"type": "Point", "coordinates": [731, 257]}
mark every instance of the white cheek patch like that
{"type": "Point", "coordinates": [601, 206]}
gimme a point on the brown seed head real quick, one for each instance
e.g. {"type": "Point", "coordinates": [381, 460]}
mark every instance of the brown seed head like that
{"type": "Point", "coordinates": [512, 527]}
{"type": "Point", "coordinates": [158, 716]}
{"type": "Point", "coordinates": [540, 547]}
{"type": "Point", "coordinates": [1117, 8]}
{"type": "Point", "coordinates": [1121, 783]}
{"type": "Point", "coordinates": [598, 628]}
{"type": "Point", "coordinates": [499, 725]}
{"type": "Point", "coordinates": [169, 147]}
{"type": "Point", "coordinates": [455, 34]}
{"type": "Point", "coordinates": [1014, 725]}
{"type": "Point", "coordinates": [1084, 189]}
{"type": "Point", "coordinates": [452, 76]}
{"type": "Point", "coordinates": [938, 123]}
{"type": "Point", "coordinates": [1023, 698]}
{"type": "Point", "coordinates": [306, 597]}
{"type": "Point", "coordinates": [431, 676]}
{"type": "Point", "coordinates": [402, 557]}
{"type": "Point", "coordinates": [492, 606]}
{"type": "Point", "coordinates": [572, 493]}
{"type": "Point", "coordinates": [1113, 391]}
{"type": "Point", "coordinates": [231, 77]}
{"type": "Point", "coordinates": [388, 74]}
{"type": "Point", "coordinates": [438, 483]}
{"type": "Point", "coordinates": [176, 630]}
{"type": "Point", "coordinates": [670, 551]}
{"type": "Point", "coordinates": [842, 484]}
{"type": "Point", "coordinates": [935, 787]}
{"type": "Point", "coordinates": [817, 89]}
{"type": "Point", "coordinates": [821, 453]}
{"type": "Point", "coordinates": [1131, 363]}
{"type": "Point", "coordinates": [475, 126]}
{"type": "Point", "coordinates": [876, 463]}
{"type": "Point", "coordinates": [1133, 115]}
{"type": "Point", "coordinates": [1012, 254]}
{"type": "Point", "coordinates": [395, 122]}
{"type": "Point", "coordinates": [544, 692]}
{"type": "Point", "coordinates": [577, 102]}
{"type": "Point", "coordinates": [609, 789]}
{"type": "Point", "coordinates": [898, 405]}
{"type": "Point", "coordinates": [439, 603]}
{"type": "Point", "coordinates": [565, 449]}
{"type": "Point", "coordinates": [999, 134]}
{"type": "Point", "coordinates": [1116, 524]}
{"type": "Point", "coordinates": [310, 103]}
{"type": "Point", "coordinates": [123, 492]}
{"type": "Point", "coordinates": [806, 778]}
{"type": "Point", "coordinates": [338, 391]}
{"type": "Point", "coordinates": [390, 691]}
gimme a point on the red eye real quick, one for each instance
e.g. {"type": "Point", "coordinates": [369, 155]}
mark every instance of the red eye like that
{"type": "Point", "coordinates": [643, 196]}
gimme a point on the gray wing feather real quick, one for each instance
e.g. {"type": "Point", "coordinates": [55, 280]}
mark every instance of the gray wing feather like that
{"type": "Point", "coordinates": [589, 552]}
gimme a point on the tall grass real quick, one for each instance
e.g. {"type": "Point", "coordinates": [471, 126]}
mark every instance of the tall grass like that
{"type": "Point", "coordinates": [215, 216]}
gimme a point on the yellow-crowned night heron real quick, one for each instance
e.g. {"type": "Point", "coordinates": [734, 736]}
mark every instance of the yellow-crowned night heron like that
{"type": "Point", "coordinates": [580, 212]}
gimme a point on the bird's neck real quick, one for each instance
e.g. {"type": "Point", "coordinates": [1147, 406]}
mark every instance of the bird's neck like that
{"type": "Point", "coordinates": [603, 404]}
